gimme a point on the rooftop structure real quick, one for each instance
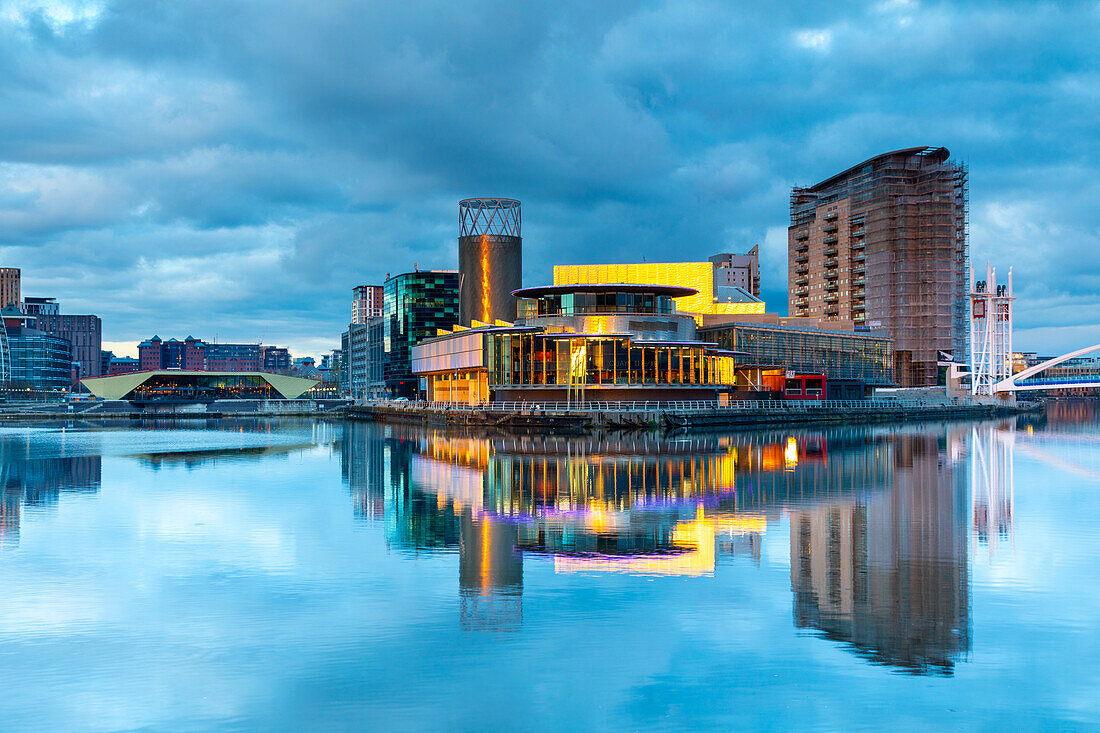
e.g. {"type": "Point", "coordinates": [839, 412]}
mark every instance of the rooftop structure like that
{"type": "Point", "coordinates": [34, 306]}
{"type": "Point", "coordinates": [714, 283]}
{"type": "Point", "coordinates": [734, 270]}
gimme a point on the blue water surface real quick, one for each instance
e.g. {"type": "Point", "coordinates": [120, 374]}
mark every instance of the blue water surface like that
{"type": "Point", "coordinates": [329, 575]}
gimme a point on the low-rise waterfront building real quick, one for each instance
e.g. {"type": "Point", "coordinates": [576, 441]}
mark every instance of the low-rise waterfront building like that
{"type": "Point", "coordinates": [276, 359]}
{"type": "Point", "coordinates": [122, 365]}
{"type": "Point", "coordinates": [797, 355]}
{"type": "Point", "coordinates": [611, 342]}
{"type": "Point", "coordinates": [198, 355]}
{"type": "Point", "coordinates": [184, 386]}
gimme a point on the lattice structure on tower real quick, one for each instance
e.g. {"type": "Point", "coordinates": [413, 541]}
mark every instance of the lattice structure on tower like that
{"type": "Point", "coordinates": [493, 217]}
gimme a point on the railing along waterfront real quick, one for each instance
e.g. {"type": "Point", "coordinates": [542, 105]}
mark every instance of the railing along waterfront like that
{"type": "Point", "coordinates": [675, 406]}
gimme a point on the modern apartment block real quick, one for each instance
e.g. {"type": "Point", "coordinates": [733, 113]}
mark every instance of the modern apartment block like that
{"type": "Point", "coordinates": [738, 271]}
{"type": "Point", "coordinates": [353, 369]}
{"type": "Point", "coordinates": [884, 245]}
{"type": "Point", "coordinates": [36, 360]}
{"type": "Point", "coordinates": [83, 332]}
{"type": "Point", "coordinates": [366, 303]}
{"type": "Point", "coordinates": [10, 279]}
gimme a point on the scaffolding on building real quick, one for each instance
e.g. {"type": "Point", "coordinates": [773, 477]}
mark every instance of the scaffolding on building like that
{"type": "Point", "coordinates": [884, 245]}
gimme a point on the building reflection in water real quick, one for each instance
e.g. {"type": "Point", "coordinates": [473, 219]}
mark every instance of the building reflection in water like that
{"type": "Point", "coordinates": [641, 505]}
{"type": "Point", "coordinates": [205, 458]}
{"type": "Point", "coordinates": [27, 481]}
{"type": "Point", "coordinates": [992, 485]}
{"type": "Point", "coordinates": [879, 517]}
{"type": "Point", "coordinates": [888, 572]}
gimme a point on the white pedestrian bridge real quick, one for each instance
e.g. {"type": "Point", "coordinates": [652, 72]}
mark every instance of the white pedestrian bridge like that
{"type": "Point", "coordinates": [1027, 380]}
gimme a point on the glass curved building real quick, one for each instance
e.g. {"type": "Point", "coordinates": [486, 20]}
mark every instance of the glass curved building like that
{"type": "Point", "coordinates": [594, 342]}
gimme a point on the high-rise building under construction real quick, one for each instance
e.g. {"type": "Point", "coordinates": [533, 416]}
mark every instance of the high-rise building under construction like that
{"type": "Point", "coordinates": [884, 244]}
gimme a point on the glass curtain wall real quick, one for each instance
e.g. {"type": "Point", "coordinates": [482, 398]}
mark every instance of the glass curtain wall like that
{"type": "Point", "coordinates": [526, 359]}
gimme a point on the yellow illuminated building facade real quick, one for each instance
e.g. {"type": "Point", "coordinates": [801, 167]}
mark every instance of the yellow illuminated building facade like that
{"type": "Point", "coordinates": [697, 275]}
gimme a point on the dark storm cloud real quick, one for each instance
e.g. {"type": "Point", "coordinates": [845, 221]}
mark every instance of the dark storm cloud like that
{"type": "Point", "coordinates": [236, 167]}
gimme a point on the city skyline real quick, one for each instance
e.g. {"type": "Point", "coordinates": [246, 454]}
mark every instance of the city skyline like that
{"type": "Point", "coordinates": [160, 172]}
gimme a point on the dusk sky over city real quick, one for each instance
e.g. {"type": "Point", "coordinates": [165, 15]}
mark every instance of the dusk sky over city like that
{"type": "Point", "coordinates": [232, 169]}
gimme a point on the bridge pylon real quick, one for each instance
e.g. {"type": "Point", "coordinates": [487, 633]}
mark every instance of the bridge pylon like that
{"type": "Point", "coordinates": [990, 331]}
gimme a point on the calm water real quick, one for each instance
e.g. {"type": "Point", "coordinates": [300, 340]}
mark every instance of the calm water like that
{"type": "Point", "coordinates": [330, 575]}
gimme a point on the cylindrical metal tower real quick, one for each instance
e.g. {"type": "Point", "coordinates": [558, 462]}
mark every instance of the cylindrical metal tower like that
{"type": "Point", "coordinates": [490, 259]}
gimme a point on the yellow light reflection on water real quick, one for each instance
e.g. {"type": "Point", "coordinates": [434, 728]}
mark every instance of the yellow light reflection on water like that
{"type": "Point", "coordinates": [790, 454]}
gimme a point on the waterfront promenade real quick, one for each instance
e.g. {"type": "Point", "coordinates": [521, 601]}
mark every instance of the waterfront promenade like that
{"type": "Point", "coordinates": [584, 417]}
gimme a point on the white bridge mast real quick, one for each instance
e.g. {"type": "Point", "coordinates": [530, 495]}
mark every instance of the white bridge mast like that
{"type": "Point", "coordinates": [990, 331]}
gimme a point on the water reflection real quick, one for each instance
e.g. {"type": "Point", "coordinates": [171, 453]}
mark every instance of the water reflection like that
{"type": "Point", "coordinates": [30, 481]}
{"type": "Point", "coordinates": [992, 481]}
{"type": "Point", "coordinates": [274, 575]}
{"type": "Point", "coordinates": [887, 572]}
{"type": "Point", "coordinates": [192, 459]}
{"type": "Point", "coordinates": [878, 518]}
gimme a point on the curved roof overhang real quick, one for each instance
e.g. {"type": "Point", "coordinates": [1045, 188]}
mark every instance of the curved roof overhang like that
{"type": "Point", "coordinates": [675, 291]}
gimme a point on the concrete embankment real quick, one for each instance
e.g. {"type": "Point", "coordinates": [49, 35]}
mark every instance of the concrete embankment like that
{"type": "Point", "coordinates": [583, 421]}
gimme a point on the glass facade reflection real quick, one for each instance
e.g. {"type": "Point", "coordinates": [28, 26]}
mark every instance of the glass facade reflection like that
{"type": "Point", "coordinates": [39, 360]}
{"type": "Point", "coordinates": [878, 521]}
{"type": "Point", "coordinates": [544, 359]}
{"type": "Point", "coordinates": [198, 387]}
{"type": "Point", "coordinates": [415, 306]}
{"type": "Point", "coordinates": [837, 355]}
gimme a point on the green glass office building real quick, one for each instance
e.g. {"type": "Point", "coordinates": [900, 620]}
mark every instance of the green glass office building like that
{"type": "Point", "coordinates": [415, 306]}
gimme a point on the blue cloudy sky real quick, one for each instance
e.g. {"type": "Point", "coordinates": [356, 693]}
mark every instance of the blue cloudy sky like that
{"type": "Point", "coordinates": [233, 168]}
